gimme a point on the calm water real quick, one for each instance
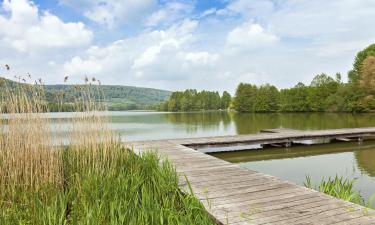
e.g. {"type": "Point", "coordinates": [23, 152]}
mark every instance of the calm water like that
{"type": "Point", "coordinates": [347, 159]}
{"type": "Point", "coordinates": [158, 125]}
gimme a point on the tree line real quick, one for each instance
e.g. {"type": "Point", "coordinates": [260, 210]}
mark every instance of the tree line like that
{"type": "Point", "coordinates": [324, 94]}
{"type": "Point", "coordinates": [193, 100]}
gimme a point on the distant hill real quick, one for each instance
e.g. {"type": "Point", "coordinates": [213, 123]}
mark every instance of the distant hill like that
{"type": "Point", "coordinates": [118, 97]}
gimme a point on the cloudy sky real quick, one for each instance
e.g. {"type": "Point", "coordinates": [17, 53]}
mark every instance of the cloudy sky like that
{"type": "Point", "coordinates": [179, 44]}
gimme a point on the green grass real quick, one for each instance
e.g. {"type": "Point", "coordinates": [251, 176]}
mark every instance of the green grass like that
{"type": "Point", "coordinates": [93, 180]}
{"type": "Point", "coordinates": [129, 189]}
{"type": "Point", "coordinates": [340, 187]}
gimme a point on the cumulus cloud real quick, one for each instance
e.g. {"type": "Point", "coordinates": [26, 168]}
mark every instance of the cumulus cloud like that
{"type": "Point", "coordinates": [26, 29]}
{"type": "Point", "coordinates": [151, 57]}
{"type": "Point", "coordinates": [239, 42]}
{"type": "Point", "coordinates": [177, 45]}
{"type": "Point", "coordinates": [201, 58]}
{"type": "Point", "coordinates": [250, 36]}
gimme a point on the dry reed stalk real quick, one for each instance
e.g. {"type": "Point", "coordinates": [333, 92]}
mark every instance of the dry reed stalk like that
{"type": "Point", "coordinates": [90, 135]}
{"type": "Point", "coordinates": [29, 157]}
{"type": "Point", "coordinates": [29, 161]}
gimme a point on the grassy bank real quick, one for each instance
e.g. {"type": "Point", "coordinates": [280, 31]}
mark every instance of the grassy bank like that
{"type": "Point", "coordinates": [126, 190]}
{"type": "Point", "coordinates": [93, 180]}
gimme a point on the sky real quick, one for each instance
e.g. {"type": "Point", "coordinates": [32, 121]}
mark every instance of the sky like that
{"type": "Point", "coordinates": [180, 44]}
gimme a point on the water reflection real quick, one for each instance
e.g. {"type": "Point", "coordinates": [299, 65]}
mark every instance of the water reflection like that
{"type": "Point", "coordinates": [364, 153]}
{"type": "Point", "coordinates": [200, 120]}
{"type": "Point", "coordinates": [162, 125]}
{"type": "Point", "coordinates": [366, 161]}
{"type": "Point", "coordinates": [351, 160]}
{"type": "Point", "coordinates": [247, 123]}
{"type": "Point", "coordinates": [347, 159]}
{"type": "Point", "coordinates": [253, 122]}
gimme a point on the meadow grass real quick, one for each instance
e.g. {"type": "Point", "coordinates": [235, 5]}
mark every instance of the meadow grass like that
{"type": "Point", "coordinates": [93, 180]}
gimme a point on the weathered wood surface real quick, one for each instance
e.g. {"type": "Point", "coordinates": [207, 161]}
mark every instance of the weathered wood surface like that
{"type": "Point", "coordinates": [279, 130]}
{"type": "Point", "coordinates": [234, 195]}
{"type": "Point", "coordinates": [275, 137]}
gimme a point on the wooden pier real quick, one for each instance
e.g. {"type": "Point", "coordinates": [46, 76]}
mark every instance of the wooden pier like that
{"type": "Point", "coordinates": [234, 195]}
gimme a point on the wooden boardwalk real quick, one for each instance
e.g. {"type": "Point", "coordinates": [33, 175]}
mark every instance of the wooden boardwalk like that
{"type": "Point", "coordinates": [234, 195]}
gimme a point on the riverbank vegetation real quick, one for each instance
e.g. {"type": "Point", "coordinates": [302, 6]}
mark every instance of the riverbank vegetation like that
{"type": "Point", "coordinates": [192, 100]}
{"type": "Point", "coordinates": [342, 188]}
{"type": "Point", "coordinates": [93, 180]}
{"type": "Point", "coordinates": [324, 94]}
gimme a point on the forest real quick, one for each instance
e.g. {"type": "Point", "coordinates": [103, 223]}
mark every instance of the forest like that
{"type": "Point", "coordinates": [324, 94]}
{"type": "Point", "coordinates": [61, 98]}
{"type": "Point", "coordinates": [192, 100]}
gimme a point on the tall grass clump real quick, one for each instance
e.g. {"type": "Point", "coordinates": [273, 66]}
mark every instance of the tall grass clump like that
{"type": "Point", "coordinates": [30, 167]}
{"type": "Point", "coordinates": [339, 187]}
{"type": "Point", "coordinates": [92, 179]}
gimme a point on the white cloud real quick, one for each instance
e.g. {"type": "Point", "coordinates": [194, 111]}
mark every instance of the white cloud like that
{"type": "Point", "coordinates": [151, 57]}
{"type": "Point", "coordinates": [297, 38]}
{"type": "Point", "coordinates": [82, 67]}
{"type": "Point", "coordinates": [25, 30]}
{"type": "Point", "coordinates": [250, 36]}
{"type": "Point", "coordinates": [201, 58]}
{"type": "Point", "coordinates": [177, 46]}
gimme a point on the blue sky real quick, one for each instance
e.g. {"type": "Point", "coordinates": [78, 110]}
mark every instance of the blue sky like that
{"type": "Point", "coordinates": [179, 44]}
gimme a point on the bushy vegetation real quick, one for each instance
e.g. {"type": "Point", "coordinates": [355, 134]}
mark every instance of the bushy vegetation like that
{"type": "Point", "coordinates": [323, 94]}
{"type": "Point", "coordinates": [93, 180]}
{"type": "Point", "coordinates": [192, 100]}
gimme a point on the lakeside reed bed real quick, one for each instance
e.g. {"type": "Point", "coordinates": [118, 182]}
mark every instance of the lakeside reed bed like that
{"type": "Point", "coordinates": [92, 180]}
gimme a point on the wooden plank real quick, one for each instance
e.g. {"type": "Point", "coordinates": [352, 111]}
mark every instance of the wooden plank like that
{"type": "Point", "coordinates": [234, 195]}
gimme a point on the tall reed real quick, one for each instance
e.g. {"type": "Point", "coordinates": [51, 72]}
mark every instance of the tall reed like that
{"type": "Point", "coordinates": [27, 160]}
{"type": "Point", "coordinates": [92, 179]}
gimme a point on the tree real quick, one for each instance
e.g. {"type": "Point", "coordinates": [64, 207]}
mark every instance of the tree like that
{"type": "Point", "coordinates": [367, 79]}
{"type": "Point", "coordinates": [226, 99]}
{"type": "Point", "coordinates": [267, 99]}
{"type": "Point", "coordinates": [245, 97]}
{"type": "Point", "coordinates": [321, 88]}
{"type": "Point", "coordinates": [174, 103]}
{"type": "Point", "coordinates": [295, 99]}
{"type": "Point", "coordinates": [355, 74]}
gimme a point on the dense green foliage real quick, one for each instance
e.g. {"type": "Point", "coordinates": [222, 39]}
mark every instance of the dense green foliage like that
{"type": "Point", "coordinates": [128, 190]}
{"type": "Point", "coordinates": [355, 73]}
{"type": "Point", "coordinates": [116, 97]}
{"type": "Point", "coordinates": [323, 94]}
{"type": "Point", "coordinates": [251, 98]}
{"type": "Point", "coordinates": [192, 100]}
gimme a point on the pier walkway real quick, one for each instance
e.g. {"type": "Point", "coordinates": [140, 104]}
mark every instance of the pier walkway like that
{"type": "Point", "coordinates": [234, 195]}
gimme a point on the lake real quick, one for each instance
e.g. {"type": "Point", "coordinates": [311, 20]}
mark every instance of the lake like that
{"type": "Point", "coordinates": [352, 160]}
